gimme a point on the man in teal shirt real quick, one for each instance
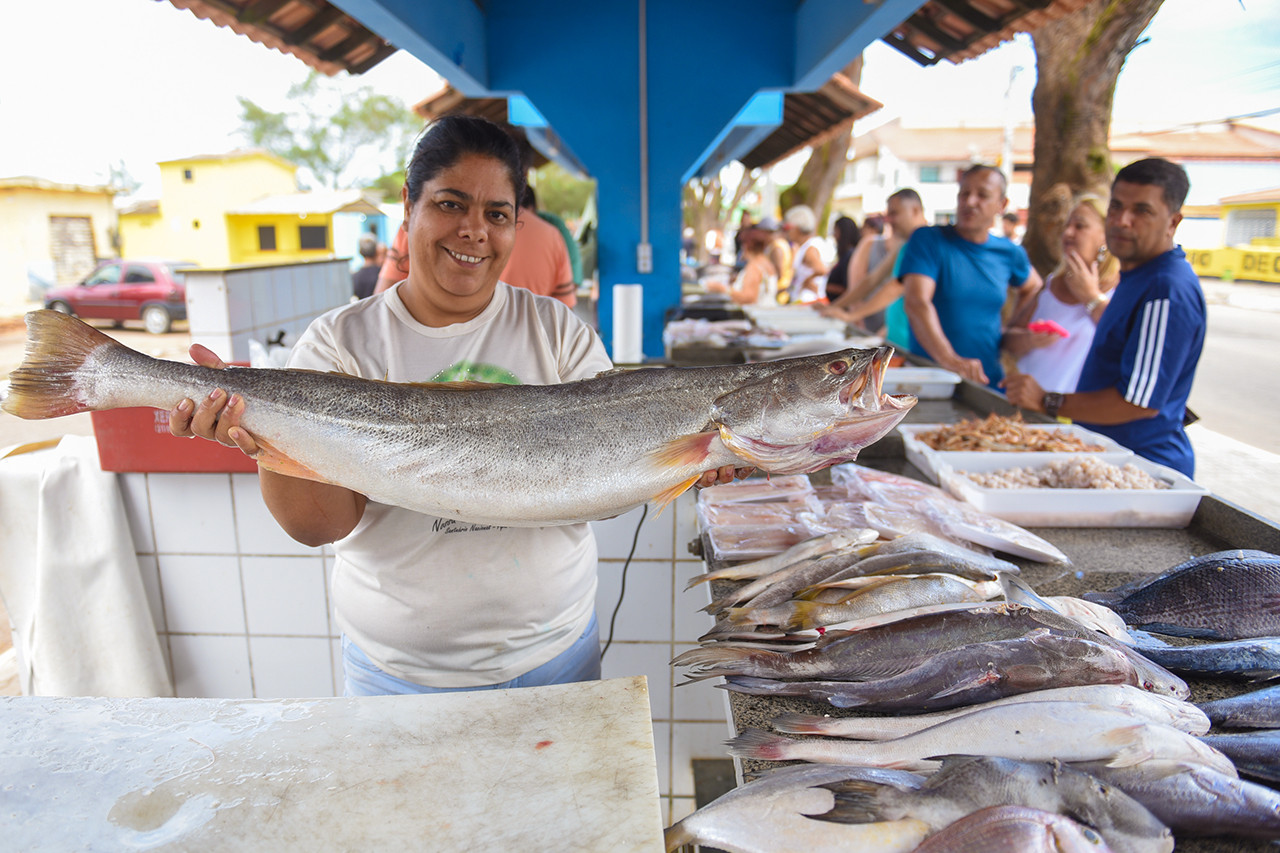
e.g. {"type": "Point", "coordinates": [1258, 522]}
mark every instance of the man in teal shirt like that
{"type": "Point", "coordinates": [957, 277]}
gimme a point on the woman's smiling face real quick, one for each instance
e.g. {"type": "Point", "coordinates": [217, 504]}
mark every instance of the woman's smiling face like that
{"type": "Point", "coordinates": [461, 230]}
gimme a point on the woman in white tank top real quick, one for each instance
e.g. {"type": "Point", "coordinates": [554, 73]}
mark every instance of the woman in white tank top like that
{"type": "Point", "coordinates": [1073, 298]}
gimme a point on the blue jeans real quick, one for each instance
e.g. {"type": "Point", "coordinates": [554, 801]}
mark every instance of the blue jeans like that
{"type": "Point", "coordinates": [579, 662]}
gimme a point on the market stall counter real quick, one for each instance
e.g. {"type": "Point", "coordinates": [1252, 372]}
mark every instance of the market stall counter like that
{"type": "Point", "coordinates": [540, 768]}
{"type": "Point", "coordinates": [1101, 559]}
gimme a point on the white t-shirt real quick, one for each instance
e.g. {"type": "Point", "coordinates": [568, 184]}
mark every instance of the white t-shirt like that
{"type": "Point", "coordinates": [441, 602]}
{"type": "Point", "coordinates": [1057, 366]}
{"type": "Point", "coordinates": [803, 270]}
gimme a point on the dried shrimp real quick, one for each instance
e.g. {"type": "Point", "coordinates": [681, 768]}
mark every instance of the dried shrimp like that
{"type": "Point", "coordinates": [998, 433]}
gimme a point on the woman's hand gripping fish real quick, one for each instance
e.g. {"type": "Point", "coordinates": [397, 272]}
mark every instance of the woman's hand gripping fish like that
{"type": "Point", "coordinates": [494, 454]}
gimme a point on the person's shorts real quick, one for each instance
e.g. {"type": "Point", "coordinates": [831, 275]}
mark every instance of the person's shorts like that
{"type": "Point", "coordinates": [579, 662]}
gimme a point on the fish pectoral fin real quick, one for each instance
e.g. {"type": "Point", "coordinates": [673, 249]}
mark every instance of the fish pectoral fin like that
{"type": "Point", "coordinates": [273, 460]}
{"type": "Point", "coordinates": [976, 680]}
{"type": "Point", "coordinates": [1132, 747]}
{"type": "Point", "coordinates": [685, 450]}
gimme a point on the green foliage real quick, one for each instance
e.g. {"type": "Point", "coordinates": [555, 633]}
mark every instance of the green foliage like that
{"type": "Point", "coordinates": [560, 192]}
{"type": "Point", "coordinates": [388, 186]}
{"type": "Point", "coordinates": [338, 139]}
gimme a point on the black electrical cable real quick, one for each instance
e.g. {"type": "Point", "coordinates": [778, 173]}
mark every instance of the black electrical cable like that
{"type": "Point", "coordinates": [623, 588]}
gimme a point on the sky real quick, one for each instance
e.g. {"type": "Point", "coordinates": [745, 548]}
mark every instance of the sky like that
{"type": "Point", "coordinates": [87, 83]}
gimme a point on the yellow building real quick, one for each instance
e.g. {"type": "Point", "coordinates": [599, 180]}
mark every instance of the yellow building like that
{"type": "Point", "coordinates": [51, 233]}
{"type": "Point", "coordinates": [1251, 240]}
{"type": "Point", "coordinates": [190, 222]}
{"type": "Point", "coordinates": [237, 208]}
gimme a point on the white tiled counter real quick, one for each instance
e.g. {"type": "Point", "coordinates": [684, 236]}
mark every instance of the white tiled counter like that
{"type": "Point", "coordinates": [243, 610]}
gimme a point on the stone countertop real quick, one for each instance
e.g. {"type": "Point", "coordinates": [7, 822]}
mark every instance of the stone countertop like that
{"type": "Point", "coordinates": [1102, 559]}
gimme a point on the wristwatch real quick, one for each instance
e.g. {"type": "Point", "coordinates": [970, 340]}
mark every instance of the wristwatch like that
{"type": "Point", "coordinates": [1051, 402]}
{"type": "Point", "coordinates": [1100, 299]}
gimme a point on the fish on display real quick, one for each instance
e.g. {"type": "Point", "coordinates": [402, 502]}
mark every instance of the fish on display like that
{"type": "Point", "coordinates": [890, 649]}
{"type": "Point", "coordinates": [1257, 658]}
{"type": "Point", "coordinates": [882, 595]}
{"type": "Point", "coordinates": [1152, 707]}
{"type": "Point", "coordinates": [1067, 731]}
{"type": "Point", "coordinates": [979, 672]}
{"type": "Point", "coordinates": [1226, 595]}
{"type": "Point", "coordinates": [493, 453]}
{"type": "Point", "coordinates": [1197, 800]}
{"type": "Point", "coordinates": [966, 784]}
{"type": "Point", "coordinates": [773, 814]}
{"type": "Point", "coordinates": [1255, 754]}
{"type": "Point", "coordinates": [1015, 829]}
{"type": "Point", "coordinates": [778, 586]}
{"type": "Point", "coordinates": [917, 506]}
{"type": "Point", "coordinates": [1259, 709]}
{"type": "Point", "coordinates": [838, 542]}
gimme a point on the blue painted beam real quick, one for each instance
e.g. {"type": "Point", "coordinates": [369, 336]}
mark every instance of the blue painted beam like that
{"type": "Point", "coordinates": [755, 121]}
{"type": "Point", "coordinates": [447, 35]}
{"type": "Point", "coordinates": [832, 33]}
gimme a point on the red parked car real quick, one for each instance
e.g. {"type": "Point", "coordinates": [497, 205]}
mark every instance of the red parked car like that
{"type": "Point", "coordinates": [151, 291]}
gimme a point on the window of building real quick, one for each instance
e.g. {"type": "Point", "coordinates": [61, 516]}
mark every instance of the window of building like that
{"type": "Point", "coordinates": [313, 237]}
{"type": "Point", "coordinates": [1244, 225]}
{"type": "Point", "coordinates": [186, 175]}
{"type": "Point", "coordinates": [930, 175]}
{"type": "Point", "coordinates": [266, 238]}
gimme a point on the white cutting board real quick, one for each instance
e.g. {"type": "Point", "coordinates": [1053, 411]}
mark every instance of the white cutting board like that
{"type": "Point", "coordinates": [544, 768]}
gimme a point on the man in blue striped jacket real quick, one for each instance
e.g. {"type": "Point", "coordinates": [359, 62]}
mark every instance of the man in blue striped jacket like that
{"type": "Point", "coordinates": [1138, 374]}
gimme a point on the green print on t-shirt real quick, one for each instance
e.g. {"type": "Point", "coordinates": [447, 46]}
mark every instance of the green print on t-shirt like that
{"type": "Point", "coordinates": [470, 371]}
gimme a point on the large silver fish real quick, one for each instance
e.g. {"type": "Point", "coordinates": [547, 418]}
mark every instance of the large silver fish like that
{"type": "Point", "coordinates": [1259, 709]}
{"type": "Point", "coordinates": [516, 455]}
{"type": "Point", "coordinates": [773, 814]}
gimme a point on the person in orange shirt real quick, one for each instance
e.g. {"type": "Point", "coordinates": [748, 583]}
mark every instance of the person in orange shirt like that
{"type": "Point", "coordinates": [540, 261]}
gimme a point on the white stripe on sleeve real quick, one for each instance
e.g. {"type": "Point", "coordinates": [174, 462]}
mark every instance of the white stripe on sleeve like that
{"type": "Point", "coordinates": [1146, 367]}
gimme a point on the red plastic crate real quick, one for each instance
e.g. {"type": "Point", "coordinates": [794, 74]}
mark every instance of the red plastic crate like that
{"type": "Point", "coordinates": [139, 440]}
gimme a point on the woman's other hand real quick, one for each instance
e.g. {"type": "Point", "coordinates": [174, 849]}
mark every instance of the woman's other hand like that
{"type": "Point", "coordinates": [722, 476]}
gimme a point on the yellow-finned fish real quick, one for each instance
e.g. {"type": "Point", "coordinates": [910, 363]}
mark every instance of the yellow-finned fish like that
{"type": "Point", "coordinates": [515, 455]}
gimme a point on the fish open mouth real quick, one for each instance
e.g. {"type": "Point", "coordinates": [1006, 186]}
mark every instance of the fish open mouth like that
{"type": "Point", "coordinates": [866, 397]}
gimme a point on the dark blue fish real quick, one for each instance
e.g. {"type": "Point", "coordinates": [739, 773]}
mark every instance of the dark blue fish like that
{"type": "Point", "coordinates": [1257, 658]}
{"type": "Point", "coordinates": [1259, 709]}
{"type": "Point", "coordinates": [1255, 754]}
{"type": "Point", "coordinates": [1222, 596]}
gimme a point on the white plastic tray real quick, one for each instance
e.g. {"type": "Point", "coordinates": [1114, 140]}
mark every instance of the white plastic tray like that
{"type": "Point", "coordinates": [1172, 507]}
{"type": "Point", "coordinates": [927, 383]}
{"type": "Point", "coordinates": [929, 461]}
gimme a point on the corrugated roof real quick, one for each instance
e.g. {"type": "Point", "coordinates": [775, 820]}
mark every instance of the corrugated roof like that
{"type": "Point", "coordinates": [945, 144]}
{"type": "Point", "coordinates": [317, 32]}
{"type": "Point", "coordinates": [1270, 196]}
{"type": "Point", "coordinates": [812, 118]}
{"type": "Point", "coordinates": [302, 204]}
{"type": "Point", "coordinates": [235, 154]}
{"type": "Point", "coordinates": [32, 183]}
{"type": "Point", "coordinates": [1227, 141]}
{"type": "Point", "coordinates": [957, 30]}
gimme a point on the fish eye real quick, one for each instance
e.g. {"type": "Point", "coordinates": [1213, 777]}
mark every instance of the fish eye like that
{"type": "Point", "coordinates": [1090, 836]}
{"type": "Point", "coordinates": [837, 367]}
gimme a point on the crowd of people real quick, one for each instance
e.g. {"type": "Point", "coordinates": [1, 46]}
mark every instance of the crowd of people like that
{"type": "Point", "coordinates": [1110, 339]}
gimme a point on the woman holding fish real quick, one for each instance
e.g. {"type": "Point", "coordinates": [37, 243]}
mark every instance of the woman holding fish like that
{"type": "Point", "coordinates": [428, 603]}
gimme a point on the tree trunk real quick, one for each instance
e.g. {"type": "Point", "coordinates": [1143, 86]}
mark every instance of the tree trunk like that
{"type": "Point", "coordinates": [1078, 59]}
{"type": "Point", "coordinates": [822, 171]}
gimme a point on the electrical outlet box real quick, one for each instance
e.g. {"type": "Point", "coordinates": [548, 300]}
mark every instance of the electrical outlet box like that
{"type": "Point", "coordinates": [644, 257]}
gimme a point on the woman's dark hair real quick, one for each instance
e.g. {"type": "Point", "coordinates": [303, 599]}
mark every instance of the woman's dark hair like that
{"type": "Point", "coordinates": [874, 222]}
{"type": "Point", "coordinates": [447, 139]}
{"type": "Point", "coordinates": [847, 235]}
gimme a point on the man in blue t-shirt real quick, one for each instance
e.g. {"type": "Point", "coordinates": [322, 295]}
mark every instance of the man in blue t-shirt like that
{"type": "Point", "coordinates": [1138, 374]}
{"type": "Point", "coordinates": [957, 278]}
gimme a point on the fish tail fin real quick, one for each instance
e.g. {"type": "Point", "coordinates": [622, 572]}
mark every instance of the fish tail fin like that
{"type": "Point", "coordinates": [759, 744]}
{"type": "Point", "coordinates": [793, 723]}
{"type": "Point", "coordinates": [710, 662]}
{"type": "Point", "coordinates": [57, 347]}
{"type": "Point", "coordinates": [676, 836]}
{"type": "Point", "coordinates": [856, 802]}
